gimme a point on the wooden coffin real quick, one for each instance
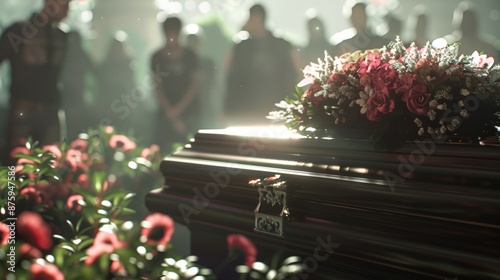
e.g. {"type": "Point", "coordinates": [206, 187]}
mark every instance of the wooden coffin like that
{"type": "Point", "coordinates": [426, 211]}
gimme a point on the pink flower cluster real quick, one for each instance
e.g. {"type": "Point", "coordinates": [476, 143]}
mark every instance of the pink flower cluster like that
{"type": "Point", "coordinates": [429, 86]}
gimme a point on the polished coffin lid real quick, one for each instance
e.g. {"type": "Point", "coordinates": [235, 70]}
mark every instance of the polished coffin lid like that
{"type": "Point", "coordinates": [428, 210]}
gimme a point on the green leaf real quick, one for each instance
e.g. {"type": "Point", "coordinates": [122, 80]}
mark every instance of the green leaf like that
{"type": "Point", "coordinates": [98, 179]}
{"type": "Point", "coordinates": [88, 196]}
{"type": "Point", "coordinates": [60, 237]}
{"type": "Point", "coordinates": [35, 159]}
{"type": "Point", "coordinates": [125, 211]}
{"type": "Point", "coordinates": [75, 258]}
{"type": "Point", "coordinates": [113, 194]}
{"type": "Point", "coordinates": [71, 226]}
{"type": "Point", "coordinates": [59, 256]}
{"type": "Point", "coordinates": [68, 248]}
{"type": "Point", "coordinates": [85, 243]}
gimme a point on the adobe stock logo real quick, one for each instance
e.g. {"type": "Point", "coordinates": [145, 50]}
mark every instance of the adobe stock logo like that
{"type": "Point", "coordinates": [123, 106]}
{"type": "Point", "coordinates": [321, 253]}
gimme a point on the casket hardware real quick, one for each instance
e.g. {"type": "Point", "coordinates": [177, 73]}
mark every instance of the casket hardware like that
{"type": "Point", "coordinates": [272, 211]}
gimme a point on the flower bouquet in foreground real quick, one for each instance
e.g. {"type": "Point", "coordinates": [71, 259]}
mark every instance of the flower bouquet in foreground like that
{"type": "Point", "coordinates": [76, 211]}
{"type": "Point", "coordinates": [397, 93]}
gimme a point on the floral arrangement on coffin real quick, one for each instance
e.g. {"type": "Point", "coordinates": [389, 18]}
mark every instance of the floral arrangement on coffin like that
{"type": "Point", "coordinates": [397, 93]}
{"type": "Point", "coordinates": [76, 211]}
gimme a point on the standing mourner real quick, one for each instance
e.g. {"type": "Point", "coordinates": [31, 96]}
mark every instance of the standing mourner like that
{"type": "Point", "coordinates": [176, 80]}
{"type": "Point", "coordinates": [261, 71]}
{"type": "Point", "coordinates": [36, 50]}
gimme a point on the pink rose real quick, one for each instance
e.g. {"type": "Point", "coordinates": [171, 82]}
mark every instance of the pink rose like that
{"type": "Point", "coordinates": [310, 94]}
{"type": "Point", "coordinates": [386, 77]}
{"type": "Point", "coordinates": [121, 142]}
{"type": "Point", "coordinates": [350, 67]}
{"type": "Point", "coordinates": [378, 104]}
{"type": "Point", "coordinates": [73, 202]}
{"type": "Point", "coordinates": [417, 99]}
{"type": "Point", "coordinates": [405, 82]}
{"type": "Point", "coordinates": [370, 63]}
{"type": "Point", "coordinates": [45, 271]}
{"type": "Point", "coordinates": [54, 150]}
{"type": "Point", "coordinates": [244, 245]}
{"type": "Point", "coordinates": [34, 230]}
{"type": "Point", "coordinates": [4, 234]}
{"type": "Point", "coordinates": [157, 229]}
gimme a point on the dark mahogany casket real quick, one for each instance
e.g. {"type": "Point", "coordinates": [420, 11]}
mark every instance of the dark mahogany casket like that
{"type": "Point", "coordinates": [425, 211]}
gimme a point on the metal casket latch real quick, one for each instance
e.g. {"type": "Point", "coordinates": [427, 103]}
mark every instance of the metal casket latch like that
{"type": "Point", "coordinates": [271, 212]}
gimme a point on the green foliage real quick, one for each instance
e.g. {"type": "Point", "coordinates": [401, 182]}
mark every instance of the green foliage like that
{"type": "Point", "coordinates": [89, 197]}
{"type": "Point", "coordinates": [93, 184]}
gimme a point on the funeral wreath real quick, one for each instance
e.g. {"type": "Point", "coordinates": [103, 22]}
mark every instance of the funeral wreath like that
{"type": "Point", "coordinates": [397, 93]}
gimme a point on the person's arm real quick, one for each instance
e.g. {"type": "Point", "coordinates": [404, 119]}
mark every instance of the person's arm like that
{"type": "Point", "coordinates": [6, 45]}
{"type": "Point", "coordinates": [188, 96]}
{"type": "Point", "coordinates": [157, 78]}
{"type": "Point", "coordinates": [166, 108]}
{"type": "Point", "coordinates": [192, 91]}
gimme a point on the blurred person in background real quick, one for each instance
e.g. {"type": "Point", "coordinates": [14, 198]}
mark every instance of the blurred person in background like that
{"type": "Point", "coordinates": [36, 49]}
{"type": "Point", "coordinates": [318, 43]}
{"type": "Point", "coordinates": [394, 26]}
{"type": "Point", "coordinates": [260, 71]}
{"type": "Point", "coordinates": [115, 78]}
{"type": "Point", "coordinates": [77, 71]}
{"type": "Point", "coordinates": [359, 36]}
{"type": "Point", "coordinates": [176, 79]}
{"type": "Point", "coordinates": [209, 99]}
{"type": "Point", "coordinates": [468, 33]}
{"type": "Point", "coordinates": [418, 25]}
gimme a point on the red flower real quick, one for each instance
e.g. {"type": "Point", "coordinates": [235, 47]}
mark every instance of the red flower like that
{"type": "Point", "coordinates": [72, 202]}
{"type": "Point", "coordinates": [79, 144]}
{"type": "Point", "coordinates": [386, 77]}
{"type": "Point", "coordinates": [4, 234]}
{"type": "Point", "coordinates": [148, 152]}
{"type": "Point", "coordinates": [310, 94]}
{"type": "Point", "coordinates": [116, 266]}
{"type": "Point", "coordinates": [350, 67]}
{"type": "Point", "coordinates": [31, 194]}
{"type": "Point", "coordinates": [417, 99]}
{"type": "Point", "coordinates": [83, 181]}
{"type": "Point", "coordinates": [121, 141]}
{"type": "Point", "coordinates": [430, 73]}
{"type": "Point", "coordinates": [53, 149]}
{"type": "Point", "coordinates": [405, 82]}
{"type": "Point", "coordinates": [34, 230]}
{"type": "Point", "coordinates": [109, 129]}
{"type": "Point", "coordinates": [157, 229]}
{"type": "Point", "coordinates": [240, 242]}
{"type": "Point", "coordinates": [19, 150]}
{"type": "Point", "coordinates": [371, 62]}
{"type": "Point", "coordinates": [107, 237]}
{"type": "Point", "coordinates": [29, 252]}
{"type": "Point", "coordinates": [104, 243]}
{"type": "Point", "coordinates": [75, 159]}
{"type": "Point", "coordinates": [46, 271]}
{"type": "Point", "coordinates": [378, 104]}
{"type": "Point", "coordinates": [94, 252]}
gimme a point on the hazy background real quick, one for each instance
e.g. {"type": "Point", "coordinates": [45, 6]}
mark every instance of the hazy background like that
{"type": "Point", "coordinates": [137, 22]}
